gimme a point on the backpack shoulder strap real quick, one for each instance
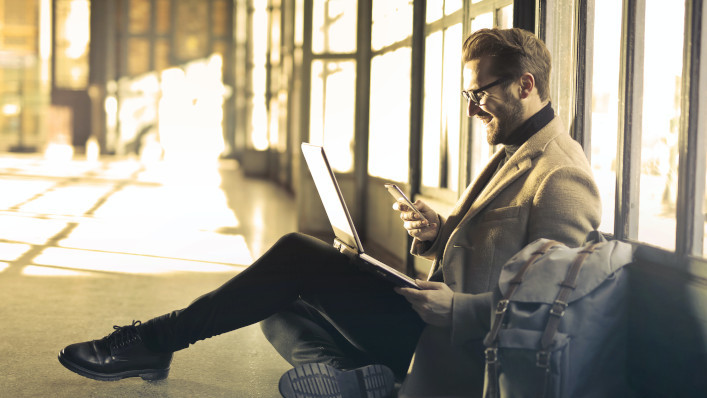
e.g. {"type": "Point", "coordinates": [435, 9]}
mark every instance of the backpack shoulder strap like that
{"type": "Point", "coordinates": [492, 364]}
{"type": "Point", "coordinates": [557, 311]}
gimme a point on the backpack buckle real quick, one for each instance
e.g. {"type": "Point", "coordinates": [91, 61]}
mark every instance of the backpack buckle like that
{"type": "Point", "coordinates": [542, 359]}
{"type": "Point", "coordinates": [501, 307]}
{"type": "Point", "coordinates": [558, 308]}
{"type": "Point", "coordinates": [491, 355]}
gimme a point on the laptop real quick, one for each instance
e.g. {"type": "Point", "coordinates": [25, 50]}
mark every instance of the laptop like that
{"type": "Point", "coordinates": [346, 239]}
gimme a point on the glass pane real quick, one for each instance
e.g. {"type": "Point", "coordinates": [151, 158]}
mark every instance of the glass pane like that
{"type": "Point", "coordinates": [259, 36]}
{"type": "Point", "coordinates": [334, 26]}
{"type": "Point", "coordinates": [162, 51]}
{"type": "Point", "coordinates": [191, 38]}
{"type": "Point", "coordinates": [505, 16]}
{"type": "Point", "coordinates": [562, 49]}
{"type": "Point", "coordinates": [435, 10]}
{"type": "Point", "coordinates": [138, 56]}
{"type": "Point", "coordinates": [605, 105]}
{"type": "Point", "coordinates": [331, 120]}
{"type": "Point", "coordinates": [72, 40]}
{"type": "Point", "coordinates": [482, 21]}
{"type": "Point", "coordinates": [480, 149]}
{"type": "Point", "coordinates": [392, 22]}
{"type": "Point", "coordinates": [139, 16]}
{"type": "Point", "coordinates": [451, 101]}
{"type": "Point", "coordinates": [388, 151]}
{"type": "Point", "coordinates": [163, 15]}
{"type": "Point", "coordinates": [432, 114]}
{"type": "Point", "coordinates": [275, 21]}
{"type": "Point", "coordinates": [661, 116]}
{"type": "Point", "coordinates": [450, 6]}
{"type": "Point", "coordinates": [219, 18]}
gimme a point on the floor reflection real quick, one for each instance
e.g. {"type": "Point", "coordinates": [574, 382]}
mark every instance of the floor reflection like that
{"type": "Point", "coordinates": [80, 218]}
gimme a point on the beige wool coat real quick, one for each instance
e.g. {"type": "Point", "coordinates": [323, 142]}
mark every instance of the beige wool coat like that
{"type": "Point", "coordinates": [545, 190]}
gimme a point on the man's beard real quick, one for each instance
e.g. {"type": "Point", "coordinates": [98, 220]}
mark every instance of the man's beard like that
{"type": "Point", "coordinates": [505, 122]}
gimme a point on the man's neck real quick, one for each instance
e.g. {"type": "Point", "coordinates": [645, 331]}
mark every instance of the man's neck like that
{"type": "Point", "coordinates": [532, 125]}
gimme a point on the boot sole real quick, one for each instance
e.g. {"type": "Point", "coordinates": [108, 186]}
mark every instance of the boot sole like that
{"type": "Point", "coordinates": [145, 374]}
{"type": "Point", "coordinates": [323, 381]}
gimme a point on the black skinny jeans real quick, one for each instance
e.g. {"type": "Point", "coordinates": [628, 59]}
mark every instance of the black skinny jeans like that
{"type": "Point", "coordinates": [318, 306]}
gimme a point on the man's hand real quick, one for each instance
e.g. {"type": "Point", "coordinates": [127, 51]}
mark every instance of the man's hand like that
{"type": "Point", "coordinates": [416, 227]}
{"type": "Point", "coordinates": [433, 303]}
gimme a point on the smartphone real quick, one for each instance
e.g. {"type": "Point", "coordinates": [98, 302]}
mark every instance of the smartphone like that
{"type": "Point", "coordinates": [398, 194]}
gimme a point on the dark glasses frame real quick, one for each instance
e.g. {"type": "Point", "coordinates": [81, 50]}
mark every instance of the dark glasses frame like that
{"type": "Point", "coordinates": [473, 95]}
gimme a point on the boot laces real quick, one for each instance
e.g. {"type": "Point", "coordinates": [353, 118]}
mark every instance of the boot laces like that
{"type": "Point", "coordinates": [124, 335]}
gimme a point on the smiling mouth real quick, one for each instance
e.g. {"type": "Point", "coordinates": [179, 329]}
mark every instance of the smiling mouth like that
{"type": "Point", "coordinates": [485, 117]}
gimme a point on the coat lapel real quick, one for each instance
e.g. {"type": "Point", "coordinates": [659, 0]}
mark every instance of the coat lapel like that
{"type": "Point", "coordinates": [514, 168]}
{"type": "Point", "coordinates": [470, 194]}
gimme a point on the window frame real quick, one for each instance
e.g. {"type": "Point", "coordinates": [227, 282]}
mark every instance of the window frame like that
{"type": "Point", "coordinates": [444, 193]}
{"type": "Point", "coordinates": [468, 172]}
{"type": "Point", "coordinates": [689, 253]}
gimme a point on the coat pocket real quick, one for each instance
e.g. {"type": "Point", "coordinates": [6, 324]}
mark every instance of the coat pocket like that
{"type": "Point", "coordinates": [502, 213]}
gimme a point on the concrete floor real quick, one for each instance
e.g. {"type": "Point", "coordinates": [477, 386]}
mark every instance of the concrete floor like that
{"type": "Point", "coordinates": [88, 245]}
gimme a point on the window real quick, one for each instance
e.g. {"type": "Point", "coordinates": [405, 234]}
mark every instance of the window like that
{"type": "Point", "coordinates": [259, 34]}
{"type": "Point", "coordinates": [502, 17]}
{"type": "Point", "coordinates": [333, 24]}
{"type": "Point", "coordinates": [73, 36]}
{"type": "Point", "coordinates": [605, 105]}
{"type": "Point", "coordinates": [662, 71]}
{"type": "Point", "coordinates": [642, 106]}
{"type": "Point", "coordinates": [441, 122]}
{"type": "Point", "coordinates": [389, 109]}
{"type": "Point", "coordinates": [389, 129]}
{"type": "Point", "coordinates": [333, 80]}
{"type": "Point", "coordinates": [331, 119]}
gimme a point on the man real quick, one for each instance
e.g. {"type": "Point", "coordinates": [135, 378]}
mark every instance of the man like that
{"type": "Point", "coordinates": [538, 186]}
{"type": "Point", "coordinates": [334, 322]}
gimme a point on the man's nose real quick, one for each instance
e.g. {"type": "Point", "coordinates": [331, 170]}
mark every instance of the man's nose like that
{"type": "Point", "coordinates": [471, 108]}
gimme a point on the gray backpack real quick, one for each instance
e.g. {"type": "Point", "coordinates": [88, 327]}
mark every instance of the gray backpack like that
{"type": "Point", "coordinates": [559, 327]}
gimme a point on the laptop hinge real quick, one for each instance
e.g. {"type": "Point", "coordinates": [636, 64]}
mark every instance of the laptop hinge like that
{"type": "Point", "coordinates": [344, 248]}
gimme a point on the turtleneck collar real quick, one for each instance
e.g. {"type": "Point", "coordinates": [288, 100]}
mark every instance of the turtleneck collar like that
{"type": "Point", "coordinates": [529, 127]}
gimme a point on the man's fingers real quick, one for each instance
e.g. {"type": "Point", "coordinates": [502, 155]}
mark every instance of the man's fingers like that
{"type": "Point", "coordinates": [427, 284]}
{"type": "Point", "coordinates": [412, 225]}
{"type": "Point", "coordinates": [411, 295]}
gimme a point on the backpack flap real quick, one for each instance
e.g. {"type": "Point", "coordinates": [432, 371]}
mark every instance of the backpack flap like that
{"type": "Point", "coordinates": [542, 281]}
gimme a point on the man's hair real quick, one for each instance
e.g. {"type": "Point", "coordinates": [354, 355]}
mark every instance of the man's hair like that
{"type": "Point", "coordinates": [512, 52]}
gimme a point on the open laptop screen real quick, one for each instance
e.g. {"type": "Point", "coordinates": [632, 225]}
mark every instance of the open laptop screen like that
{"type": "Point", "coordinates": [330, 195]}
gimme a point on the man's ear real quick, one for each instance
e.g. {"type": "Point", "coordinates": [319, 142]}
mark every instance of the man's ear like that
{"type": "Point", "coordinates": [527, 84]}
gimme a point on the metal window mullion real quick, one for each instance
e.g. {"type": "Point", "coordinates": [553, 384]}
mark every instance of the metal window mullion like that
{"type": "Point", "coordinates": [541, 20]}
{"type": "Point", "coordinates": [584, 27]}
{"type": "Point", "coordinates": [362, 112]}
{"type": "Point", "coordinates": [417, 92]}
{"type": "Point", "coordinates": [151, 32]}
{"type": "Point", "coordinates": [306, 72]}
{"type": "Point", "coordinates": [630, 113]}
{"type": "Point", "coordinates": [443, 132]}
{"type": "Point", "coordinates": [691, 139]}
{"type": "Point", "coordinates": [467, 140]}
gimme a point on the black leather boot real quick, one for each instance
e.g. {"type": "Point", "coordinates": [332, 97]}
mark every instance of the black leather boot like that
{"type": "Point", "coordinates": [323, 381]}
{"type": "Point", "coordinates": [119, 355]}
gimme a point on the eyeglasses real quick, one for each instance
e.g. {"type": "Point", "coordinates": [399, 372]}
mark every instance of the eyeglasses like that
{"type": "Point", "coordinates": [473, 95]}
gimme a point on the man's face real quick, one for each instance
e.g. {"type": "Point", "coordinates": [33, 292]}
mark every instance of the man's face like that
{"type": "Point", "coordinates": [499, 110]}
